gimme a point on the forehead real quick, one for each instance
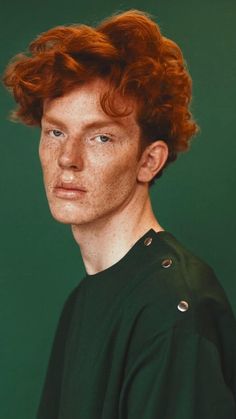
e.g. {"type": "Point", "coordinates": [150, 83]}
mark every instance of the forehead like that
{"type": "Point", "coordinates": [82, 105]}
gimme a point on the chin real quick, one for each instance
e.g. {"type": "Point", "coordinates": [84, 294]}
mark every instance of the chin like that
{"type": "Point", "coordinates": [63, 219]}
{"type": "Point", "coordinates": [65, 216]}
{"type": "Point", "coordinates": [70, 217]}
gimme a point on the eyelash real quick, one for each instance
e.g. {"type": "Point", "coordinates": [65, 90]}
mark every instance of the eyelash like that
{"type": "Point", "coordinates": [50, 131]}
{"type": "Point", "coordinates": [53, 130]}
{"type": "Point", "coordinates": [103, 135]}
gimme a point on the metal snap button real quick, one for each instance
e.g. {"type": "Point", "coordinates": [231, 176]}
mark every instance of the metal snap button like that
{"type": "Point", "coordinates": [183, 306]}
{"type": "Point", "coordinates": [166, 263]}
{"type": "Point", "coordinates": [148, 241]}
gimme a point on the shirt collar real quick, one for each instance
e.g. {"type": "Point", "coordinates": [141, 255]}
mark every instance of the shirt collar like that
{"type": "Point", "coordinates": [147, 249]}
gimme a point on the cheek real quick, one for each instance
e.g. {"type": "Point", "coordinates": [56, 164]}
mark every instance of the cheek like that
{"type": "Point", "coordinates": [43, 153]}
{"type": "Point", "coordinates": [47, 155]}
{"type": "Point", "coordinates": [113, 174]}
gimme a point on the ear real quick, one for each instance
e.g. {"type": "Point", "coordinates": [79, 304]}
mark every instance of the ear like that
{"type": "Point", "coordinates": [152, 160]}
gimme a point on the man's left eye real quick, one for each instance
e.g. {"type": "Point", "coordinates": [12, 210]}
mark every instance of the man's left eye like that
{"type": "Point", "coordinates": [104, 138]}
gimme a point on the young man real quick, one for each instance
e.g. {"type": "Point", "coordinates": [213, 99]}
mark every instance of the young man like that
{"type": "Point", "coordinates": [148, 333]}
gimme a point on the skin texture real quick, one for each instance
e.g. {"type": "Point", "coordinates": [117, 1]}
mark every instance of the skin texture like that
{"type": "Point", "coordinates": [104, 160]}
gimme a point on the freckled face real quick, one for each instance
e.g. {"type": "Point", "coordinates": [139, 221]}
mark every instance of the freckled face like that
{"type": "Point", "coordinates": [82, 147]}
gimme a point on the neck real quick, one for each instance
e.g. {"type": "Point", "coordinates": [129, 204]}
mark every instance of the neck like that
{"type": "Point", "coordinates": [104, 242]}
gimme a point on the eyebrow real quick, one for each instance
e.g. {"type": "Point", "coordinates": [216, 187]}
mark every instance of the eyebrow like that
{"type": "Point", "coordinates": [100, 123]}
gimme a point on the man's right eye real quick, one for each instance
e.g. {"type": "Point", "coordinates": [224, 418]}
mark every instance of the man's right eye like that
{"type": "Point", "coordinates": [55, 133]}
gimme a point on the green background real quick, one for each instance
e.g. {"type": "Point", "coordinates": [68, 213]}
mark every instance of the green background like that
{"type": "Point", "coordinates": [194, 199]}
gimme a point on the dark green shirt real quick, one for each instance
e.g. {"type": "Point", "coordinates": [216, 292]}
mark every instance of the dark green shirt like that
{"type": "Point", "coordinates": [151, 337]}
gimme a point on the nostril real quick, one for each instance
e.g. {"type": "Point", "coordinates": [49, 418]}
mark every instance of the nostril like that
{"type": "Point", "coordinates": [70, 159]}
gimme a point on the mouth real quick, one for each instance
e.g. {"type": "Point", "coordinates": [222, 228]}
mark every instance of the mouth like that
{"type": "Point", "coordinates": [69, 191]}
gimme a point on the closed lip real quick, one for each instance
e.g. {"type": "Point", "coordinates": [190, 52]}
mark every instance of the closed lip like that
{"type": "Point", "coordinates": [69, 187]}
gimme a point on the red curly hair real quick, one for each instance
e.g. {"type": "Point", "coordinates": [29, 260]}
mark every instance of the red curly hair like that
{"type": "Point", "coordinates": [126, 49]}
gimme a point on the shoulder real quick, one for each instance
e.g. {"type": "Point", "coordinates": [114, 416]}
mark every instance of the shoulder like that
{"type": "Point", "coordinates": [179, 289]}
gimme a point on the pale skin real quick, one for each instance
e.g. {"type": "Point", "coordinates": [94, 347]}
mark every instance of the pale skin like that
{"type": "Point", "coordinates": [115, 209]}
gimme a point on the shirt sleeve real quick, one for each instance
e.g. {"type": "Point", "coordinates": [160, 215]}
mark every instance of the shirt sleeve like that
{"type": "Point", "coordinates": [49, 401]}
{"type": "Point", "coordinates": [176, 375]}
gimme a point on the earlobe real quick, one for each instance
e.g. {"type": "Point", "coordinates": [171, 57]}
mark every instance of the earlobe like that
{"type": "Point", "coordinates": [152, 160]}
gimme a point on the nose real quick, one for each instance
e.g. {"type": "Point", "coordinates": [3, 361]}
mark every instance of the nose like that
{"type": "Point", "coordinates": [71, 155]}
